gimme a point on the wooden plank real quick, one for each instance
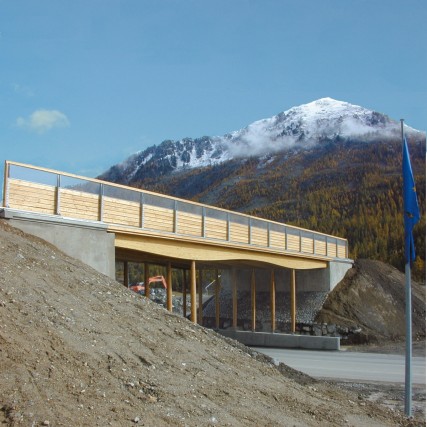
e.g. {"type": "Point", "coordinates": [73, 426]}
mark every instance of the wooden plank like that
{"type": "Point", "coordinates": [293, 301]}
{"type": "Point", "coordinates": [31, 196]}
{"type": "Point", "coordinates": [189, 224]}
{"type": "Point", "coordinates": [293, 243]}
{"type": "Point", "coordinates": [215, 228]}
{"type": "Point", "coordinates": [341, 251]}
{"type": "Point", "coordinates": [307, 245]}
{"type": "Point", "coordinates": [77, 204]}
{"type": "Point", "coordinates": [193, 315]}
{"type": "Point", "coordinates": [320, 247]}
{"type": "Point", "coordinates": [118, 211]}
{"type": "Point", "coordinates": [259, 236]}
{"type": "Point", "coordinates": [253, 301]}
{"type": "Point", "coordinates": [239, 233]}
{"type": "Point", "coordinates": [277, 239]}
{"type": "Point", "coordinates": [332, 249]}
{"type": "Point", "coordinates": [157, 218]}
{"type": "Point", "coordinates": [273, 301]}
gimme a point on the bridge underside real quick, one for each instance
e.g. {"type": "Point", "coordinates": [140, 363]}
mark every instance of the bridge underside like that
{"type": "Point", "coordinates": [179, 251]}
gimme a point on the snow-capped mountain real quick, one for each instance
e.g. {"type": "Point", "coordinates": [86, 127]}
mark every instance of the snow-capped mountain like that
{"type": "Point", "coordinates": [301, 127]}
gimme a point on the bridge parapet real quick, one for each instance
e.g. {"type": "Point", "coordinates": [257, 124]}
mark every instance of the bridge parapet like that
{"type": "Point", "coordinates": [41, 190]}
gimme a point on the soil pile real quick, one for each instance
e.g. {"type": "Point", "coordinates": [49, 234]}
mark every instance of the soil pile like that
{"type": "Point", "coordinates": [372, 297]}
{"type": "Point", "coordinates": [77, 348]}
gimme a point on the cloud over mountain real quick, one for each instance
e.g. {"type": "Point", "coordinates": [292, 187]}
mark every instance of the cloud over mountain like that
{"type": "Point", "coordinates": [302, 127]}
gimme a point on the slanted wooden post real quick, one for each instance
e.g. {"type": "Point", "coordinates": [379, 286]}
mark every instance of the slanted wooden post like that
{"type": "Point", "coordinates": [253, 301]}
{"type": "Point", "coordinates": [200, 317]}
{"type": "Point", "coordinates": [293, 301]}
{"type": "Point", "coordinates": [169, 288]}
{"type": "Point", "coordinates": [146, 280]}
{"type": "Point", "coordinates": [234, 278]}
{"type": "Point", "coordinates": [273, 301]}
{"type": "Point", "coordinates": [217, 289]}
{"type": "Point", "coordinates": [193, 316]}
{"type": "Point", "coordinates": [184, 293]}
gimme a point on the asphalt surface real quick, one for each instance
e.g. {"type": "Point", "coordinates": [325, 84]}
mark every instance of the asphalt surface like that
{"type": "Point", "coordinates": [350, 366]}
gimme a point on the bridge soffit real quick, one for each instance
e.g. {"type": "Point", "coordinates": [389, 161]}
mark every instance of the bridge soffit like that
{"type": "Point", "coordinates": [202, 252]}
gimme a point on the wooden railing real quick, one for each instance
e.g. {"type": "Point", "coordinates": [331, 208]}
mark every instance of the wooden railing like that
{"type": "Point", "coordinates": [41, 190]}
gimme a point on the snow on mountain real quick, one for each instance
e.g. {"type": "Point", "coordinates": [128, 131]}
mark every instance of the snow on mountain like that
{"type": "Point", "coordinates": [299, 127]}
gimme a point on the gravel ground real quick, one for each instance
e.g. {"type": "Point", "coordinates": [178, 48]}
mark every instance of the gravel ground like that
{"type": "Point", "coordinates": [79, 349]}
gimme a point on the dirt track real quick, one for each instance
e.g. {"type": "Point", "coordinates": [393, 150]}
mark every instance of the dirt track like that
{"type": "Point", "coordinates": [78, 349]}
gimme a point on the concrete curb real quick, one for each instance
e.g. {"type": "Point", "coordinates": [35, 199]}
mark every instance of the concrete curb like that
{"type": "Point", "coordinates": [268, 339]}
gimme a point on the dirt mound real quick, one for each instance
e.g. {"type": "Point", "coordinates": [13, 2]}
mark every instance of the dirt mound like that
{"type": "Point", "coordinates": [77, 348]}
{"type": "Point", "coordinates": [372, 297]}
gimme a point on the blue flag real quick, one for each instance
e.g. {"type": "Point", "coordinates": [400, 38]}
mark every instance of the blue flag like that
{"type": "Point", "coordinates": [411, 210]}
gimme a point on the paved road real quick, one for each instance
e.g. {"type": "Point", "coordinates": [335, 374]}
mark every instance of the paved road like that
{"type": "Point", "coordinates": [350, 365]}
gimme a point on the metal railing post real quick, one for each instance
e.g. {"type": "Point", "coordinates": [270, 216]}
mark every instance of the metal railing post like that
{"type": "Point", "coordinates": [141, 210]}
{"type": "Point", "coordinates": [101, 202]}
{"type": "Point", "coordinates": [6, 184]}
{"type": "Point", "coordinates": [203, 222]}
{"type": "Point", "coordinates": [58, 195]}
{"type": "Point", "coordinates": [286, 239]}
{"type": "Point", "coordinates": [228, 227]}
{"type": "Point", "coordinates": [175, 217]}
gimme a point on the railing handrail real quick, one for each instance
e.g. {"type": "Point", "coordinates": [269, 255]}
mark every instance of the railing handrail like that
{"type": "Point", "coordinates": [266, 222]}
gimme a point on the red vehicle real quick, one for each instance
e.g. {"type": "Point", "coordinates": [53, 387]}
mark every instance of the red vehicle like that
{"type": "Point", "coordinates": [140, 286]}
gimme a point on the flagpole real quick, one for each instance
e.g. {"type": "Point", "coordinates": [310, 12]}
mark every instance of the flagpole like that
{"type": "Point", "coordinates": [408, 317]}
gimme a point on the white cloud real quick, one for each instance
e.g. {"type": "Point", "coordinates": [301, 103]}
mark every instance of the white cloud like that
{"type": "Point", "coordinates": [23, 90]}
{"type": "Point", "coordinates": [42, 121]}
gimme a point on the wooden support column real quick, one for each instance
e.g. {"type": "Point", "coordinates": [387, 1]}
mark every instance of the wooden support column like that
{"type": "Point", "coordinates": [200, 316]}
{"type": "Point", "coordinates": [234, 275]}
{"type": "Point", "coordinates": [184, 293]}
{"type": "Point", "coordinates": [273, 301]}
{"type": "Point", "coordinates": [169, 288]}
{"type": "Point", "coordinates": [293, 302]}
{"type": "Point", "coordinates": [217, 307]}
{"type": "Point", "coordinates": [146, 279]}
{"type": "Point", "coordinates": [253, 301]}
{"type": "Point", "coordinates": [193, 316]}
{"type": "Point", "coordinates": [126, 274]}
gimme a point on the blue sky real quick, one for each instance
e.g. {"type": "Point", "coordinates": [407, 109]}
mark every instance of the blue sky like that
{"type": "Point", "coordinates": [86, 83]}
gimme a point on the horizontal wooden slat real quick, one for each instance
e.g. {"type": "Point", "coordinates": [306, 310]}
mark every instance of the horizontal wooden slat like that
{"type": "Point", "coordinates": [157, 218]}
{"type": "Point", "coordinates": [277, 239]}
{"type": "Point", "coordinates": [31, 196]}
{"type": "Point", "coordinates": [190, 224]}
{"type": "Point", "coordinates": [78, 204]}
{"type": "Point", "coordinates": [216, 228]}
{"type": "Point", "coordinates": [332, 249]}
{"type": "Point", "coordinates": [293, 243]}
{"type": "Point", "coordinates": [239, 233]}
{"type": "Point", "coordinates": [342, 251]}
{"type": "Point", "coordinates": [320, 247]}
{"type": "Point", "coordinates": [119, 211]}
{"type": "Point", "coordinates": [259, 236]}
{"type": "Point", "coordinates": [307, 245]}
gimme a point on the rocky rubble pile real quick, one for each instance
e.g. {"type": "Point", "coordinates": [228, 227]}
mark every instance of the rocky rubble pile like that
{"type": "Point", "coordinates": [308, 306]}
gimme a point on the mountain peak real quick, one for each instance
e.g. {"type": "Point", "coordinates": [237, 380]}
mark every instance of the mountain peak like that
{"type": "Point", "coordinates": [300, 127]}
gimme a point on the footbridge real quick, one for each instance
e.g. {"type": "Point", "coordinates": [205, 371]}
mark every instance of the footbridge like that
{"type": "Point", "coordinates": [109, 226]}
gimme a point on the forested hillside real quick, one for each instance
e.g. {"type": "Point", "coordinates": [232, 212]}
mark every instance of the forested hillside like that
{"type": "Point", "coordinates": [347, 188]}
